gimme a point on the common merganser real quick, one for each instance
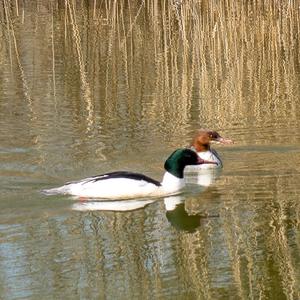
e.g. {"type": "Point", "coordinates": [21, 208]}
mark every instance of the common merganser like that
{"type": "Point", "coordinates": [201, 144]}
{"type": "Point", "coordinates": [126, 185]}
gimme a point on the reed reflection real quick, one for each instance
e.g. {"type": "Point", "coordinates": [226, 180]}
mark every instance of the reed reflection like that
{"type": "Point", "coordinates": [187, 62]}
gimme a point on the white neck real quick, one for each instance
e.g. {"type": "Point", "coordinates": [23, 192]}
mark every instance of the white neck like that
{"type": "Point", "coordinates": [171, 183]}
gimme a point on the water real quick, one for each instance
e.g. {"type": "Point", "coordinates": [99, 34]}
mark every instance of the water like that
{"type": "Point", "coordinates": [83, 96]}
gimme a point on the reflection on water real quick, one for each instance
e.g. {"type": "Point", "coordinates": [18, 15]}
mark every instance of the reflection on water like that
{"type": "Point", "coordinates": [92, 87]}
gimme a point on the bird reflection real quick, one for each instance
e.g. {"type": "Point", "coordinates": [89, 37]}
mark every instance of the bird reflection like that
{"type": "Point", "coordinates": [176, 213]}
{"type": "Point", "coordinates": [179, 217]}
{"type": "Point", "coordinates": [118, 205]}
{"type": "Point", "coordinates": [201, 178]}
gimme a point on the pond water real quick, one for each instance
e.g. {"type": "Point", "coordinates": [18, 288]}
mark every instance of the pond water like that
{"type": "Point", "coordinates": [97, 87]}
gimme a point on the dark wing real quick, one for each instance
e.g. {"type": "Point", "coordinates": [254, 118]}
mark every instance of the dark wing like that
{"type": "Point", "coordinates": [119, 174]}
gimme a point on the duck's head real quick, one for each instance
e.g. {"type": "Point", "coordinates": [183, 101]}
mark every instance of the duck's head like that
{"type": "Point", "coordinates": [181, 158]}
{"type": "Point", "coordinates": [204, 137]}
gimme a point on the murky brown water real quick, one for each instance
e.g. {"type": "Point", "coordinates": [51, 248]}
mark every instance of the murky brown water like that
{"type": "Point", "coordinates": [119, 86]}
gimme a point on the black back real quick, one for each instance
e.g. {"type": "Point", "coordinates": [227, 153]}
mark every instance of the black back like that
{"type": "Point", "coordinates": [124, 174]}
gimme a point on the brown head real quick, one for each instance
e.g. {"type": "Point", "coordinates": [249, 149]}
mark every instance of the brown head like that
{"type": "Point", "coordinates": [204, 137]}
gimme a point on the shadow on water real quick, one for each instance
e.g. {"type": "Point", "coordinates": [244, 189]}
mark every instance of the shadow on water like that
{"type": "Point", "coordinates": [174, 206]}
{"type": "Point", "coordinates": [181, 219]}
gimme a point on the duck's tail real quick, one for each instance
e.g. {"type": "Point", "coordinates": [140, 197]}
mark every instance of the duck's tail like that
{"type": "Point", "coordinates": [55, 191]}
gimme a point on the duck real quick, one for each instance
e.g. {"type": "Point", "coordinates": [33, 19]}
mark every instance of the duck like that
{"type": "Point", "coordinates": [127, 185]}
{"type": "Point", "coordinates": [201, 143]}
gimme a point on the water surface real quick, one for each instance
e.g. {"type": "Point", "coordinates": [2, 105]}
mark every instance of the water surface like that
{"type": "Point", "coordinates": [87, 90]}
